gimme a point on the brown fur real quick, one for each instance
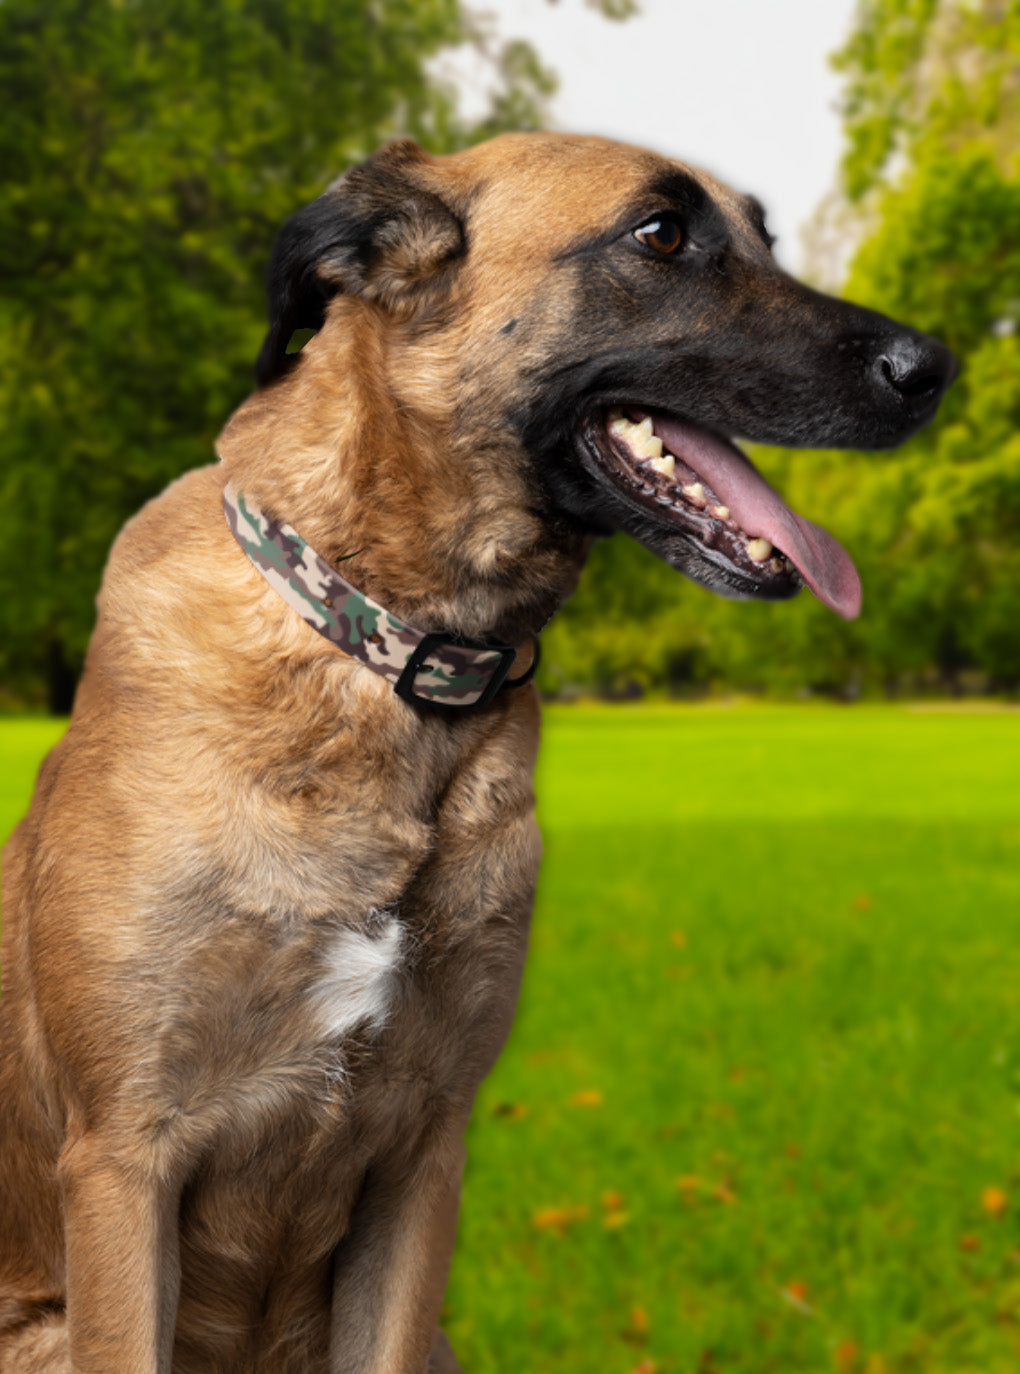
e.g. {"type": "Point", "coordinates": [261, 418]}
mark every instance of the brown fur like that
{"type": "Point", "coordinates": [203, 1179]}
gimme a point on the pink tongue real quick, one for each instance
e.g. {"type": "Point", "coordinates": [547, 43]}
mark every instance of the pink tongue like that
{"type": "Point", "coordinates": [761, 512]}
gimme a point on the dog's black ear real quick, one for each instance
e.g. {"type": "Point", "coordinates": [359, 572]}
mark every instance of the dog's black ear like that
{"type": "Point", "coordinates": [379, 231]}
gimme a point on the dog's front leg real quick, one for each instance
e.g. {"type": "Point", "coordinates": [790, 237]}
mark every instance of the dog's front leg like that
{"type": "Point", "coordinates": [391, 1269]}
{"type": "Point", "coordinates": [123, 1273]}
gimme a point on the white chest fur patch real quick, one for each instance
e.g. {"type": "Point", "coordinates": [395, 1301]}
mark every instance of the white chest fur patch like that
{"type": "Point", "coordinates": [357, 983]}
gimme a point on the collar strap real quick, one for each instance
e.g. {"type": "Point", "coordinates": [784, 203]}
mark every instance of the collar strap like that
{"type": "Point", "coordinates": [445, 670]}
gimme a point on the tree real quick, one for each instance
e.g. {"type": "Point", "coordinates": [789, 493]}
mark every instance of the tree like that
{"type": "Point", "coordinates": [933, 117]}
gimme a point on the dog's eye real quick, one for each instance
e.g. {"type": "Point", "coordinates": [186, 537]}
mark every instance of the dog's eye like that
{"type": "Point", "coordinates": [664, 234]}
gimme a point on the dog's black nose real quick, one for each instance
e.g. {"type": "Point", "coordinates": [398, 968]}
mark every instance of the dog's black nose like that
{"type": "Point", "coordinates": [916, 367]}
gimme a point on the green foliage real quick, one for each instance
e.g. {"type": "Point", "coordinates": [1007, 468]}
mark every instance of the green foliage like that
{"type": "Point", "coordinates": [944, 255]}
{"type": "Point", "coordinates": [880, 100]}
{"type": "Point", "coordinates": [927, 75]}
{"type": "Point", "coordinates": [149, 152]}
{"type": "Point", "coordinates": [613, 9]}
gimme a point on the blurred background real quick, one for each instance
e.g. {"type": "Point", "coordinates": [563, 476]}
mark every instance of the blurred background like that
{"type": "Point", "coordinates": [760, 1111]}
{"type": "Point", "coordinates": [149, 152]}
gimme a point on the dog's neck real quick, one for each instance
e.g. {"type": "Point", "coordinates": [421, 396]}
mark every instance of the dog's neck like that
{"type": "Point", "coordinates": [421, 667]}
{"type": "Point", "coordinates": [437, 526]}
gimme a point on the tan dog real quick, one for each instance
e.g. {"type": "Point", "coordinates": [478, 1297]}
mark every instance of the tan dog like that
{"type": "Point", "coordinates": [264, 926]}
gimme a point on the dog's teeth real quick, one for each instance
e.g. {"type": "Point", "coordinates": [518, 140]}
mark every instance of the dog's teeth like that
{"type": "Point", "coordinates": [695, 492]}
{"type": "Point", "coordinates": [638, 437]}
{"type": "Point", "coordinates": [647, 448]}
{"type": "Point", "coordinates": [758, 550]}
{"type": "Point", "coordinates": [721, 512]}
{"type": "Point", "coordinates": [643, 441]}
{"type": "Point", "coordinates": [666, 465]}
{"type": "Point", "coordinates": [776, 564]}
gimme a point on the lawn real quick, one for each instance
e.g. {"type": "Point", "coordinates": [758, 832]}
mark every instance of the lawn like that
{"type": "Point", "coordinates": [761, 1107]}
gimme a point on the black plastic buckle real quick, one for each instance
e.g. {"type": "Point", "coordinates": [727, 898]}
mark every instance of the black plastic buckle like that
{"type": "Point", "coordinates": [404, 686]}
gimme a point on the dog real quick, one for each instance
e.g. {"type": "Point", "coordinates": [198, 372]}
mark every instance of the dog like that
{"type": "Point", "coordinates": [264, 925]}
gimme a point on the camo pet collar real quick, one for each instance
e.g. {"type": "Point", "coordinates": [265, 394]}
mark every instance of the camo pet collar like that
{"type": "Point", "coordinates": [442, 669]}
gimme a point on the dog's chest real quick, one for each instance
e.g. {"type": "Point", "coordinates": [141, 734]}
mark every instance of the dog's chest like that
{"type": "Point", "coordinates": [354, 980]}
{"type": "Point", "coordinates": [304, 1026]}
{"type": "Point", "coordinates": [373, 948]}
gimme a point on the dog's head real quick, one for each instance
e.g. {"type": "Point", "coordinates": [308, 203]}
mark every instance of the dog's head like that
{"type": "Point", "coordinates": [618, 319]}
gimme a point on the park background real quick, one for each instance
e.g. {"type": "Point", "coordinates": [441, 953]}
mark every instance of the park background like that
{"type": "Point", "coordinates": [761, 1108]}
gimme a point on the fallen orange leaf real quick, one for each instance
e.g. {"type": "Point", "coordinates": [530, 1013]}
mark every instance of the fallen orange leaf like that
{"type": "Point", "coordinates": [846, 1356]}
{"type": "Point", "coordinates": [614, 1220]}
{"type": "Point", "coordinates": [645, 1367]}
{"type": "Point", "coordinates": [795, 1293]}
{"type": "Point", "coordinates": [994, 1201]}
{"type": "Point", "coordinates": [612, 1202]}
{"type": "Point", "coordinates": [639, 1324]}
{"type": "Point", "coordinates": [678, 939]}
{"type": "Point", "coordinates": [558, 1218]}
{"type": "Point", "coordinates": [588, 1097]}
{"type": "Point", "coordinates": [724, 1194]}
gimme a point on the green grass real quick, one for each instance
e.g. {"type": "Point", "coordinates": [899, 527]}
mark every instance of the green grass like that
{"type": "Point", "coordinates": [777, 954]}
{"type": "Point", "coordinates": [23, 743]}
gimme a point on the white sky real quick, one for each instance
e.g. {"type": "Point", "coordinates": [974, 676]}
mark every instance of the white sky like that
{"type": "Point", "coordinates": [740, 87]}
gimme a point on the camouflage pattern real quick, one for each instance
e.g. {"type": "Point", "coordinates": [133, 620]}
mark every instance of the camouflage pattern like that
{"type": "Point", "coordinates": [451, 675]}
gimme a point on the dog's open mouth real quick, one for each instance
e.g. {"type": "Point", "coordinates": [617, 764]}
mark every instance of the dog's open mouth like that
{"type": "Point", "coordinates": [704, 487]}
